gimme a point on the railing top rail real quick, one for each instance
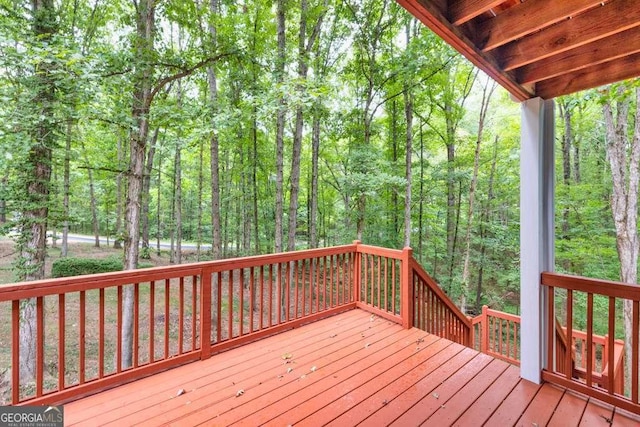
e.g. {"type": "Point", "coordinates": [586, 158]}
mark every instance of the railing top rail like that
{"type": "Point", "coordinates": [376, 250]}
{"type": "Point", "coordinates": [497, 314]}
{"type": "Point", "coordinates": [439, 293]}
{"type": "Point", "coordinates": [594, 286]}
{"type": "Point", "coordinates": [13, 291]}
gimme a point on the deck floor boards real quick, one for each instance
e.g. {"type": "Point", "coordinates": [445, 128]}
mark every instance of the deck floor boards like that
{"type": "Point", "coordinates": [350, 369]}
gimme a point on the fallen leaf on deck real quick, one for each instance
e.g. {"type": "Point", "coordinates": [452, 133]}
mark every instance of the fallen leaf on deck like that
{"type": "Point", "coordinates": [180, 392]}
{"type": "Point", "coordinates": [436, 395]}
{"type": "Point", "coordinates": [286, 356]}
{"type": "Point", "coordinates": [239, 393]}
{"type": "Point", "coordinates": [289, 370]}
{"type": "Point", "coordinates": [372, 318]}
{"type": "Point", "coordinates": [367, 345]}
{"type": "Point", "coordinates": [313, 369]}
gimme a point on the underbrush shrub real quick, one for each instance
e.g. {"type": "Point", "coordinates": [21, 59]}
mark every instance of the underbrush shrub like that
{"type": "Point", "coordinates": [67, 267]}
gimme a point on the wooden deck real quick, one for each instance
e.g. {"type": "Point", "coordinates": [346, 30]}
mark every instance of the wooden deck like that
{"type": "Point", "coordinates": [349, 369]}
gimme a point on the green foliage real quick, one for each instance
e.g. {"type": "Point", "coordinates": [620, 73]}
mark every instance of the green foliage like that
{"type": "Point", "coordinates": [67, 267]}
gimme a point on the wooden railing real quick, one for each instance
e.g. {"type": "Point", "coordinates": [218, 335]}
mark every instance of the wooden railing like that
{"type": "Point", "coordinates": [180, 314]}
{"type": "Point", "coordinates": [497, 334]}
{"type": "Point", "coordinates": [187, 312]}
{"type": "Point", "coordinates": [433, 311]}
{"type": "Point", "coordinates": [585, 376]}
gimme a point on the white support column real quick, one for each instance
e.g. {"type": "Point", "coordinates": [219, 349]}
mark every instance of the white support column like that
{"type": "Point", "coordinates": [536, 229]}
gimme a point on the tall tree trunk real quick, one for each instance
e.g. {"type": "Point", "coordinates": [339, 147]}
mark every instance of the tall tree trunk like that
{"type": "Point", "coordinates": [408, 112]}
{"type": "Point", "coordinates": [158, 199]}
{"type": "Point", "coordinates": [483, 226]}
{"type": "Point", "coordinates": [92, 199]}
{"type": "Point", "coordinates": [64, 250]}
{"type": "Point", "coordinates": [178, 205]}
{"type": "Point", "coordinates": [315, 154]}
{"type": "Point", "coordinates": [254, 181]}
{"type": "Point", "coordinates": [3, 198]}
{"type": "Point", "coordinates": [484, 107]}
{"type": "Point", "coordinates": [215, 144]}
{"type": "Point", "coordinates": [421, 197]}
{"type": "Point", "coordinates": [117, 241]}
{"type": "Point", "coordinates": [146, 200]}
{"type": "Point", "coordinates": [37, 179]}
{"type": "Point", "coordinates": [280, 118]}
{"type": "Point", "coordinates": [143, 47]}
{"type": "Point", "coordinates": [200, 199]}
{"type": "Point", "coordinates": [624, 158]}
{"type": "Point", "coordinates": [565, 113]}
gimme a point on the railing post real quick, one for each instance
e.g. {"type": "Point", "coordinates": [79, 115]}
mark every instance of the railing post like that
{"type": "Point", "coordinates": [205, 314]}
{"type": "Point", "coordinates": [356, 272]}
{"type": "Point", "coordinates": [407, 303]}
{"type": "Point", "coordinates": [484, 324]}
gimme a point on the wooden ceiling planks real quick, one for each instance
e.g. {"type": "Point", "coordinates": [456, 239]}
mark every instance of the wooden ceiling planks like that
{"type": "Point", "coordinates": [543, 48]}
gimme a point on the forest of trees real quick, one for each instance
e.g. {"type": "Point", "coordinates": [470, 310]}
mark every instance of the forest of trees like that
{"type": "Point", "coordinates": [255, 126]}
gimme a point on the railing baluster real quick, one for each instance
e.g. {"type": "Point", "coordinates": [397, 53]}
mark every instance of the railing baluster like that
{"type": "Point", "coordinates": [280, 292]}
{"type": "Point", "coordinates": [324, 283]}
{"type": "Point", "coordinates": [611, 344]}
{"type": "Point", "coordinates": [262, 313]}
{"type": "Point", "coordinates": [589, 344]}
{"type": "Point", "coordinates": [152, 320]}
{"type": "Point", "coordinates": [230, 298]}
{"type": "Point", "coordinates": [194, 310]}
{"type": "Point", "coordinates": [270, 291]}
{"type": "Point", "coordinates": [569, 353]}
{"type": "Point", "coordinates": [119, 332]}
{"type": "Point", "coordinates": [136, 319]}
{"type": "Point", "coordinates": [181, 315]}
{"type": "Point", "coordinates": [82, 344]}
{"type": "Point", "coordinates": [551, 331]}
{"type": "Point", "coordinates": [61, 341]}
{"type": "Point", "coordinates": [101, 334]}
{"type": "Point", "coordinates": [251, 297]}
{"type": "Point", "coordinates": [287, 280]}
{"type": "Point", "coordinates": [15, 351]}
{"type": "Point", "coordinates": [167, 296]}
{"type": "Point", "coordinates": [296, 275]}
{"type": "Point", "coordinates": [635, 348]}
{"type": "Point", "coordinates": [39, 345]}
{"type": "Point", "coordinates": [218, 306]}
{"type": "Point", "coordinates": [241, 298]}
{"type": "Point", "coordinates": [378, 262]}
{"type": "Point", "coordinates": [317, 283]}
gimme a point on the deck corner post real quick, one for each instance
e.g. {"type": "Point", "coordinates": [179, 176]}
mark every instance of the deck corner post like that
{"type": "Point", "coordinates": [484, 340]}
{"type": "Point", "coordinates": [205, 314]}
{"type": "Point", "coordinates": [537, 193]}
{"type": "Point", "coordinates": [407, 303]}
{"type": "Point", "coordinates": [357, 268]}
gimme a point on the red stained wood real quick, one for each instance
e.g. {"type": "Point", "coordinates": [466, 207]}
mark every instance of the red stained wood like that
{"type": "Point", "coordinates": [395, 376]}
{"type": "Point", "coordinates": [569, 411]}
{"type": "Point", "coordinates": [514, 404]}
{"type": "Point", "coordinates": [542, 406]}
{"type": "Point", "coordinates": [596, 413]}
{"type": "Point", "coordinates": [482, 407]}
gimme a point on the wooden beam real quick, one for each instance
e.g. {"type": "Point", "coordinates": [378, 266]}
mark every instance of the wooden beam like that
{"type": "Point", "coordinates": [594, 76]}
{"type": "Point", "coordinates": [432, 16]}
{"type": "Point", "coordinates": [526, 18]}
{"type": "Point", "coordinates": [614, 17]}
{"type": "Point", "coordinates": [461, 11]}
{"type": "Point", "coordinates": [599, 52]}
